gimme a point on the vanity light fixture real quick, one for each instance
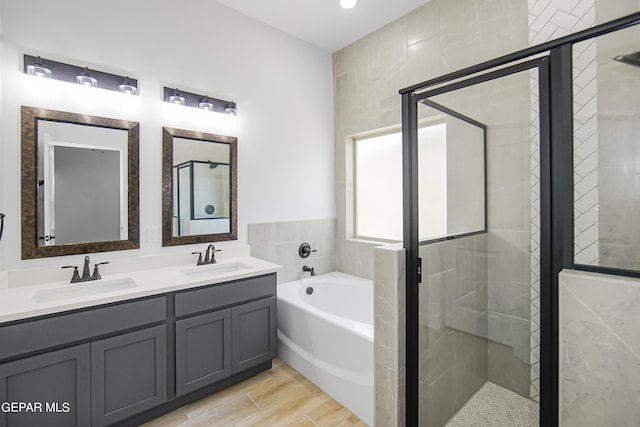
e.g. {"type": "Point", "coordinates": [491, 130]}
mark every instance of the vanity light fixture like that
{"type": "Point", "coordinates": [37, 66]}
{"type": "Point", "coordinates": [38, 69]}
{"type": "Point", "coordinates": [348, 4]}
{"type": "Point", "coordinates": [127, 87]}
{"type": "Point", "coordinates": [176, 97]}
{"type": "Point", "coordinates": [203, 102]}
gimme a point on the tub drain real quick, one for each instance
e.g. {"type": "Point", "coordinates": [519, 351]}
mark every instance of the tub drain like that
{"type": "Point", "coordinates": [309, 290]}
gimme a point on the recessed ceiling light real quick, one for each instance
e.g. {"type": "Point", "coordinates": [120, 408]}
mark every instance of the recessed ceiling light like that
{"type": "Point", "coordinates": [348, 4]}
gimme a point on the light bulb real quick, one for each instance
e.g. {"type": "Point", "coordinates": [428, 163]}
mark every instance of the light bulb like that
{"type": "Point", "coordinates": [86, 79]}
{"type": "Point", "coordinates": [231, 109]}
{"type": "Point", "coordinates": [205, 104]}
{"type": "Point", "coordinates": [127, 88]}
{"type": "Point", "coordinates": [176, 98]}
{"type": "Point", "coordinates": [38, 69]}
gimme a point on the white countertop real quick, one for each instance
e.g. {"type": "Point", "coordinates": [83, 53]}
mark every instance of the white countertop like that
{"type": "Point", "coordinates": [21, 302]}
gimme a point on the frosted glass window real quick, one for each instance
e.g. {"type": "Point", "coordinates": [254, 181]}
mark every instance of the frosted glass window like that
{"type": "Point", "coordinates": [432, 181]}
{"type": "Point", "coordinates": [378, 184]}
{"type": "Point", "coordinates": [378, 187]}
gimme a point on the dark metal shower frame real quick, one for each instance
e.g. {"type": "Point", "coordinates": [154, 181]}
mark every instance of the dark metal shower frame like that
{"type": "Point", "coordinates": [556, 207]}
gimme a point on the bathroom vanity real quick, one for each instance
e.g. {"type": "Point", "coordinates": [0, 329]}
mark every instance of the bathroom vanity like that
{"type": "Point", "coordinates": [125, 356]}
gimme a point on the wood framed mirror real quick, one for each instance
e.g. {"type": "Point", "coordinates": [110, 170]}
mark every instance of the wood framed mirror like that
{"type": "Point", "coordinates": [199, 187]}
{"type": "Point", "coordinates": [79, 183]}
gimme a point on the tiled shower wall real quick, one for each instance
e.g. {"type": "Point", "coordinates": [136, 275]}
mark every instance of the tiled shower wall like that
{"type": "Point", "coordinates": [278, 242]}
{"type": "Point", "coordinates": [551, 19]}
{"type": "Point", "coordinates": [599, 320]}
{"type": "Point", "coordinates": [439, 37]}
{"type": "Point", "coordinates": [453, 361]}
{"type": "Point", "coordinates": [600, 350]}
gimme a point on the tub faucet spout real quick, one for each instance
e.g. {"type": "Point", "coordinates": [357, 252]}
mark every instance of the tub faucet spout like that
{"type": "Point", "coordinates": [309, 269]}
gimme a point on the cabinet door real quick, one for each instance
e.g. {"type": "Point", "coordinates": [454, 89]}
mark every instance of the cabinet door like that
{"type": "Point", "coordinates": [203, 350]}
{"type": "Point", "coordinates": [128, 374]}
{"type": "Point", "coordinates": [253, 333]}
{"type": "Point", "coordinates": [56, 384]}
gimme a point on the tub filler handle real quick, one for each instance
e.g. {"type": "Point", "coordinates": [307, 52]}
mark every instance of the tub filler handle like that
{"type": "Point", "coordinates": [305, 250]}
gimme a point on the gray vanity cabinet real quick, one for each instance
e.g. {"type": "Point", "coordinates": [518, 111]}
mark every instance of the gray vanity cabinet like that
{"type": "Point", "coordinates": [114, 364]}
{"type": "Point", "coordinates": [128, 374]}
{"type": "Point", "coordinates": [56, 383]}
{"type": "Point", "coordinates": [203, 350]}
{"type": "Point", "coordinates": [253, 333]}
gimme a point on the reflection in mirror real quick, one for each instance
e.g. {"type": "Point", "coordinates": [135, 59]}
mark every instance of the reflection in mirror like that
{"type": "Point", "coordinates": [198, 187]}
{"type": "Point", "coordinates": [202, 198]}
{"type": "Point", "coordinates": [82, 184]}
{"type": "Point", "coordinates": [79, 183]}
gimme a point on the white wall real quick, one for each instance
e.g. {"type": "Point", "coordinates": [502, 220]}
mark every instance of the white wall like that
{"type": "Point", "coordinates": [283, 88]}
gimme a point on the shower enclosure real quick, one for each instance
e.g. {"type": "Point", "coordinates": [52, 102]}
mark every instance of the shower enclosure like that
{"type": "Point", "coordinates": [515, 173]}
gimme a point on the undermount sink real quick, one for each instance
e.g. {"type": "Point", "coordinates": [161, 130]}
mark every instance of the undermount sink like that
{"type": "Point", "coordinates": [208, 271]}
{"type": "Point", "coordinates": [84, 289]}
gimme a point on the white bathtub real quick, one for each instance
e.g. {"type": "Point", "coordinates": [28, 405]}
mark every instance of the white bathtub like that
{"type": "Point", "coordinates": [328, 336]}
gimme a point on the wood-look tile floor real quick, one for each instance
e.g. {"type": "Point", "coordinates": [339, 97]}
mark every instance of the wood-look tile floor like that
{"type": "Point", "coordinates": [277, 397]}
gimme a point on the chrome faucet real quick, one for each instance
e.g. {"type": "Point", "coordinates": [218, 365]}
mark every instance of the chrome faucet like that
{"type": "Point", "coordinates": [86, 277]}
{"type": "Point", "coordinates": [210, 255]}
{"type": "Point", "coordinates": [309, 269]}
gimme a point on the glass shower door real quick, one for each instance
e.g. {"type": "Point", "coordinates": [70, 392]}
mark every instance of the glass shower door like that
{"type": "Point", "coordinates": [478, 179]}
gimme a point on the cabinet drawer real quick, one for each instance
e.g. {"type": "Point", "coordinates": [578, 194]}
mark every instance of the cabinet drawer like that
{"type": "Point", "coordinates": [212, 297]}
{"type": "Point", "coordinates": [53, 331]}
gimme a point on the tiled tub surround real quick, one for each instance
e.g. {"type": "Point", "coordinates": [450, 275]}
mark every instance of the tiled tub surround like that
{"type": "Point", "coordinates": [278, 242]}
{"type": "Point", "coordinates": [152, 275]}
{"type": "Point", "coordinates": [327, 336]}
{"type": "Point", "coordinates": [389, 335]}
{"type": "Point", "coordinates": [599, 350]}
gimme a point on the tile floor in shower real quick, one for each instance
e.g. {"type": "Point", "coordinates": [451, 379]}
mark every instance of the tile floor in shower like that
{"type": "Point", "coordinates": [277, 397]}
{"type": "Point", "coordinates": [495, 406]}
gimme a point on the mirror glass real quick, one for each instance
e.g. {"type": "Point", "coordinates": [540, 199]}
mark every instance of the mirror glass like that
{"type": "Point", "coordinates": [199, 187]}
{"type": "Point", "coordinates": [79, 183]}
{"type": "Point", "coordinates": [82, 184]}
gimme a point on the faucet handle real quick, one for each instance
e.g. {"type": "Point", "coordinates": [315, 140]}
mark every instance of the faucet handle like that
{"type": "Point", "coordinates": [304, 250]}
{"type": "Point", "coordinates": [199, 257]}
{"type": "Point", "coordinates": [213, 255]}
{"type": "Point", "coordinates": [76, 276]}
{"type": "Point", "coordinates": [96, 273]}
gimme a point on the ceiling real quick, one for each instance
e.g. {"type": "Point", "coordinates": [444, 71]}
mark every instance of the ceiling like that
{"type": "Point", "coordinates": [324, 23]}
